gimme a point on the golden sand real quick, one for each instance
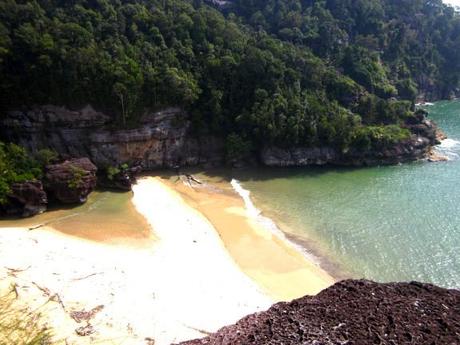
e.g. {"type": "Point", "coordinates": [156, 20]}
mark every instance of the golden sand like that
{"type": "Point", "coordinates": [210, 264]}
{"type": "Point", "coordinates": [108, 217]}
{"type": "Point", "coordinates": [281, 269]}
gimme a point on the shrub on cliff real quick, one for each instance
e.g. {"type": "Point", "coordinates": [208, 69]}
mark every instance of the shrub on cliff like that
{"type": "Point", "coordinates": [16, 166]}
{"type": "Point", "coordinates": [237, 148]}
{"type": "Point", "coordinates": [379, 137]}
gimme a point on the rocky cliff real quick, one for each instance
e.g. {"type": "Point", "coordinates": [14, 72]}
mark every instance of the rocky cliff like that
{"type": "Point", "coordinates": [162, 139]}
{"type": "Point", "coordinates": [353, 312]}
{"type": "Point", "coordinates": [424, 135]}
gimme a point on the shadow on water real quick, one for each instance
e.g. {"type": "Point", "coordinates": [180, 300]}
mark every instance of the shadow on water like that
{"type": "Point", "coordinates": [256, 173]}
{"type": "Point", "coordinates": [56, 206]}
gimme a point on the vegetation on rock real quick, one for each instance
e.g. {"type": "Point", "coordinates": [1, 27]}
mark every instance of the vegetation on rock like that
{"type": "Point", "coordinates": [16, 165]}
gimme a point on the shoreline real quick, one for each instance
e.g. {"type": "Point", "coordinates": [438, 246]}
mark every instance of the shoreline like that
{"type": "Point", "coordinates": [268, 256]}
{"type": "Point", "coordinates": [204, 254]}
{"type": "Point", "coordinates": [182, 286]}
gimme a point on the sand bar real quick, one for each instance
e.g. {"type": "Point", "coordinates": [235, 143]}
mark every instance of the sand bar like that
{"type": "Point", "coordinates": [179, 287]}
{"type": "Point", "coordinates": [274, 263]}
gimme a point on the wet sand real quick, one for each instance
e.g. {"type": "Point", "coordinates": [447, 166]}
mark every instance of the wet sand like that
{"type": "Point", "coordinates": [107, 216]}
{"type": "Point", "coordinates": [179, 287]}
{"type": "Point", "coordinates": [279, 267]}
{"type": "Point", "coordinates": [207, 265]}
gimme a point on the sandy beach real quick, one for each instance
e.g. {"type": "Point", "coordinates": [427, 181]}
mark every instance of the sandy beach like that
{"type": "Point", "coordinates": [269, 259]}
{"type": "Point", "coordinates": [205, 267]}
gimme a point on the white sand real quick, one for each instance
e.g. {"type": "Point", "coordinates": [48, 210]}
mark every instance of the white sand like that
{"type": "Point", "coordinates": [183, 284]}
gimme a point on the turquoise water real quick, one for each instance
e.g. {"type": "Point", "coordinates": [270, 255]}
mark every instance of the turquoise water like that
{"type": "Point", "coordinates": [383, 223]}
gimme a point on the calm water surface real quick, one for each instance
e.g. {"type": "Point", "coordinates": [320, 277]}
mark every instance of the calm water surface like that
{"type": "Point", "coordinates": [383, 223]}
{"type": "Point", "coordinates": [105, 216]}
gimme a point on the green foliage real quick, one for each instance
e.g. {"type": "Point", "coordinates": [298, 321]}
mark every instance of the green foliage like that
{"type": "Point", "coordinates": [378, 137]}
{"type": "Point", "coordinates": [18, 325]}
{"type": "Point", "coordinates": [46, 156]}
{"type": "Point", "coordinates": [381, 44]}
{"type": "Point", "coordinates": [15, 166]}
{"type": "Point", "coordinates": [284, 72]}
{"type": "Point", "coordinates": [111, 171]}
{"type": "Point", "coordinates": [237, 148]}
{"type": "Point", "coordinates": [77, 177]}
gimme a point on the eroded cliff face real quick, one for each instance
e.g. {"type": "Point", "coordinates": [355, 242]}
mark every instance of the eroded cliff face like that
{"type": "Point", "coordinates": [162, 140]}
{"type": "Point", "coordinates": [424, 135]}
{"type": "Point", "coordinates": [352, 312]}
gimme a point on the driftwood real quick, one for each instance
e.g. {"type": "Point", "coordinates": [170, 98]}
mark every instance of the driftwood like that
{"type": "Point", "coordinates": [45, 290]}
{"type": "Point", "coordinates": [193, 179]}
{"type": "Point", "coordinates": [36, 226]}
{"type": "Point", "coordinates": [12, 271]}
{"type": "Point", "coordinates": [89, 275]}
{"type": "Point", "coordinates": [84, 315]}
{"type": "Point", "coordinates": [85, 330]}
{"type": "Point", "coordinates": [51, 297]}
{"type": "Point", "coordinates": [149, 341]}
{"type": "Point", "coordinates": [14, 287]}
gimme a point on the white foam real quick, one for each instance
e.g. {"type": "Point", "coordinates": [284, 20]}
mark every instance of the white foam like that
{"type": "Point", "coordinates": [449, 148]}
{"type": "Point", "coordinates": [448, 143]}
{"type": "Point", "coordinates": [267, 223]}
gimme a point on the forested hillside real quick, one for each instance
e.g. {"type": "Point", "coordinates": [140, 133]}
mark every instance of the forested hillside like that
{"type": "Point", "coordinates": [284, 72]}
{"type": "Point", "coordinates": [392, 47]}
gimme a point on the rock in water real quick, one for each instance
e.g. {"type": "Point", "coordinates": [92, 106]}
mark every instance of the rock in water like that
{"type": "Point", "coordinates": [71, 181]}
{"type": "Point", "coordinates": [26, 199]}
{"type": "Point", "coordinates": [352, 312]}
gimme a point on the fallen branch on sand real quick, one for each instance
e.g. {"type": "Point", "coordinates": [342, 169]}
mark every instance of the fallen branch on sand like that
{"type": "Point", "coordinates": [36, 227]}
{"type": "Point", "coordinates": [192, 178]}
{"type": "Point", "coordinates": [84, 315]}
{"type": "Point", "coordinates": [199, 330]}
{"type": "Point", "coordinates": [45, 290]}
{"type": "Point", "coordinates": [89, 275]}
{"type": "Point", "coordinates": [85, 330]}
{"type": "Point", "coordinates": [12, 271]}
{"type": "Point", "coordinates": [53, 221]}
{"type": "Point", "coordinates": [51, 297]}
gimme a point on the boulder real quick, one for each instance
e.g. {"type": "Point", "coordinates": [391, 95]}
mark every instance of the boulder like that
{"type": "Point", "coordinates": [26, 199]}
{"type": "Point", "coordinates": [122, 180]}
{"type": "Point", "coordinates": [352, 312]}
{"type": "Point", "coordinates": [71, 181]}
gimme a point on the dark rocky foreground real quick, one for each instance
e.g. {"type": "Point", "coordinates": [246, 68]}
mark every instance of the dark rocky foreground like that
{"type": "Point", "coordinates": [353, 312]}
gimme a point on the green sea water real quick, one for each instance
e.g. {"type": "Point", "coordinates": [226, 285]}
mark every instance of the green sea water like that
{"type": "Point", "coordinates": [389, 223]}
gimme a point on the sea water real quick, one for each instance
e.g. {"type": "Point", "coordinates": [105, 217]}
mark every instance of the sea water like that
{"type": "Point", "coordinates": [388, 223]}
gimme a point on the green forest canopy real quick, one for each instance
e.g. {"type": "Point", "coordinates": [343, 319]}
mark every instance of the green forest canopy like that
{"type": "Point", "coordinates": [284, 72]}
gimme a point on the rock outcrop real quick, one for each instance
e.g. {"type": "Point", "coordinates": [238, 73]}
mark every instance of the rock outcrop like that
{"type": "Point", "coordinates": [424, 134]}
{"type": "Point", "coordinates": [163, 138]}
{"type": "Point", "coordinates": [25, 199]}
{"type": "Point", "coordinates": [71, 181]}
{"type": "Point", "coordinates": [121, 178]}
{"type": "Point", "coordinates": [353, 312]}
